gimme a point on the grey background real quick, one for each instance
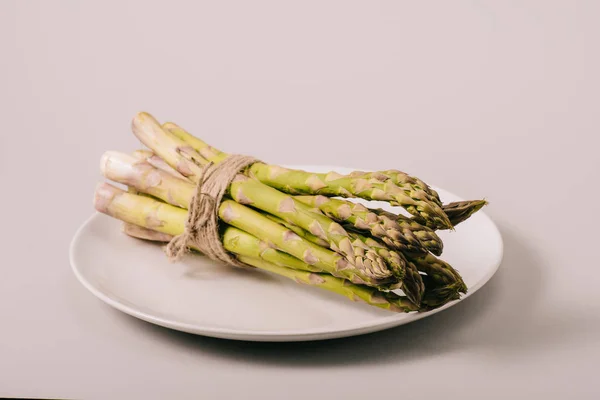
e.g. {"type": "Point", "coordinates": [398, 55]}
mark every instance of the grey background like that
{"type": "Point", "coordinates": [496, 99]}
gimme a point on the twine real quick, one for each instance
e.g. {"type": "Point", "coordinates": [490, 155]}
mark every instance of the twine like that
{"type": "Point", "coordinates": [202, 227]}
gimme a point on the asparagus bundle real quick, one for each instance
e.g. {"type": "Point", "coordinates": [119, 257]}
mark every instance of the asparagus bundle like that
{"type": "Point", "coordinates": [286, 222]}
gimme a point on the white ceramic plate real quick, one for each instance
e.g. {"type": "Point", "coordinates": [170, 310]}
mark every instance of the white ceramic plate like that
{"type": "Point", "coordinates": [199, 296]}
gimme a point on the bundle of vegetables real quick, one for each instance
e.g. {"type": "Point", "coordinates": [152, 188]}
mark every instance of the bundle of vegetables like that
{"type": "Point", "coordinates": [293, 223]}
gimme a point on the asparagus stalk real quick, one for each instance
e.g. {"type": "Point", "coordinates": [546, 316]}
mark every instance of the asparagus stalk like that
{"type": "Point", "coordinates": [143, 177]}
{"type": "Point", "coordinates": [398, 232]}
{"type": "Point", "coordinates": [172, 150]}
{"type": "Point", "coordinates": [145, 233]}
{"type": "Point", "coordinates": [162, 217]}
{"type": "Point", "coordinates": [157, 162]}
{"type": "Point", "coordinates": [459, 211]}
{"type": "Point", "coordinates": [181, 156]}
{"type": "Point", "coordinates": [406, 192]}
{"type": "Point", "coordinates": [205, 150]}
{"type": "Point", "coordinates": [252, 251]}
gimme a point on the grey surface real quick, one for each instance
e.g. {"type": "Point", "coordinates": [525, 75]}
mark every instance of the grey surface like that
{"type": "Point", "coordinates": [500, 97]}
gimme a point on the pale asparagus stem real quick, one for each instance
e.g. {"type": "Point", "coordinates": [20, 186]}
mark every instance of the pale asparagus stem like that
{"type": "Point", "coordinates": [408, 192]}
{"type": "Point", "coordinates": [132, 190]}
{"type": "Point", "coordinates": [142, 176]}
{"type": "Point", "coordinates": [206, 151]}
{"type": "Point", "coordinates": [139, 210]}
{"type": "Point", "coordinates": [157, 162]}
{"type": "Point", "coordinates": [249, 191]}
{"type": "Point", "coordinates": [399, 232]}
{"type": "Point", "coordinates": [162, 217]}
{"type": "Point", "coordinates": [145, 233]}
{"type": "Point", "coordinates": [251, 251]}
{"type": "Point", "coordinates": [459, 211]}
{"type": "Point", "coordinates": [171, 149]}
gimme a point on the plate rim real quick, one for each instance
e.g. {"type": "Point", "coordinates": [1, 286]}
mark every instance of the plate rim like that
{"type": "Point", "coordinates": [279, 336]}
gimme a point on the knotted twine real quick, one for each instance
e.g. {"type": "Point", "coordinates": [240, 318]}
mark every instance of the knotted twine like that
{"type": "Point", "coordinates": [201, 226]}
